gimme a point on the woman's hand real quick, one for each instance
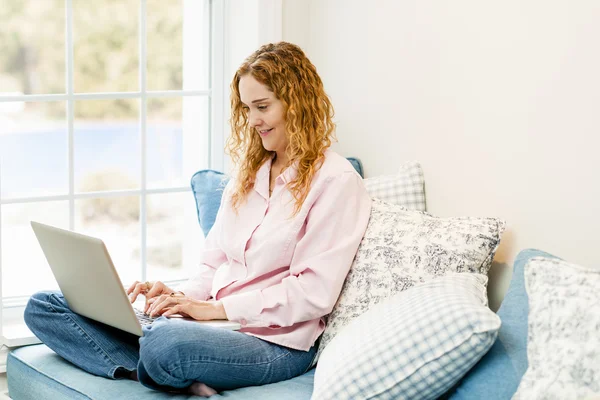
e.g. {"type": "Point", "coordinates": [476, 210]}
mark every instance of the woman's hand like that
{"type": "Point", "coordinates": [170, 304]}
{"type": "Point", "coordinates": [148, 290]}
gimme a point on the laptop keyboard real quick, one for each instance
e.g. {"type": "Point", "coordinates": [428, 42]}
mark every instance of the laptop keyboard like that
{"type": "Point", "coordinates": [144, 319]}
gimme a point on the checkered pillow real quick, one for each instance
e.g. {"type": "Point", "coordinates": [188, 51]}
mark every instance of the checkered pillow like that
{"type": "Point", "coordinates": [415, 345]}
{"type": "Point", "coordinates": [406, 188]}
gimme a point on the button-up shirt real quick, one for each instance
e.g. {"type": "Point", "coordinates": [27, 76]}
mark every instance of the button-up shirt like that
{"type": "Point", "coordinates": [280, 274]}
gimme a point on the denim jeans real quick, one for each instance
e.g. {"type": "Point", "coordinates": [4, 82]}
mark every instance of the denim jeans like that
{"type": "Point", "coordinates": [171, 355]}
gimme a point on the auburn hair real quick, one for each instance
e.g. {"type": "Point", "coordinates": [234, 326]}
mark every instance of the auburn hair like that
{"type": "Point", "coordinates": [286, 71]}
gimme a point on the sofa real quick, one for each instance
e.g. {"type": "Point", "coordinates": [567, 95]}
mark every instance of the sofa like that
{"type": "Point", "coordinates": [412, 320]}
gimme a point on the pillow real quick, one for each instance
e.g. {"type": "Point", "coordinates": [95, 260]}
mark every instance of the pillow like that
{"type": "Point", "coordinates": [416, 344]}
{"type": "Point", "coordinates": [357, 165]}
{"type": "Point", "coordinates": [207, 186]}
{"type": "Point", "coordinates": [563, 345]}
{"type": "Point", "coordinates": [497, 375]}
{"type": "Point", "coordinates": [402, 248]}
{"type": "Point", "coordinates": [406, 188]}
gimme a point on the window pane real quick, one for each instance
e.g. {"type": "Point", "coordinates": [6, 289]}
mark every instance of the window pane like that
{"type": "Point", "coordinates": [105, 52]}
{"type": "Point", "coordinates": [33, 149]}
{"type": "Point", "coordinates": [173, 236]}
{"type": "Point", "coordinates": [107, 147]}
{"type": "Point", "coordinates": [32, 39]}
{"type": "Point", "coordinates": [177, 133]}
{"type": "Point", "coordinates": [178, 47]}
{"type": "Point", "coordinates": [115, 220]}
{"type": "Point", "coordinates": [24, 266]}
{"type": "Point", "coordinates": [164, 30]}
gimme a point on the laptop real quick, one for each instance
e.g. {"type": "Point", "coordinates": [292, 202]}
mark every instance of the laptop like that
{"type": "Point", "coordinates": [89, 281]}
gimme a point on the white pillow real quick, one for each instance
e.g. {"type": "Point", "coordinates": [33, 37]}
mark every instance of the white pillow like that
{"type": "Point", "coordinates": [563, 344]}
{"type": "Point", "coordinates": [416, 344]}
{"type": "Point", "coordinates": [402, 248]}
{"type": "Point", "coordinates": [406, 188]}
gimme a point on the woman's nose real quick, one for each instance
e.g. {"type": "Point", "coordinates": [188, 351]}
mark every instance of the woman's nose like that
{"type": "Point", "coordinates": [254, 120]}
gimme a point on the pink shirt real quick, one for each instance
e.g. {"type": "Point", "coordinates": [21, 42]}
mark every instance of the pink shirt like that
{"type": "Point", "coordinates": [279, 276]}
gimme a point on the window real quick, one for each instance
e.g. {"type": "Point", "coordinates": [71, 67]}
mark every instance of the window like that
{"type": "Point", "coordinates": [106, 110]}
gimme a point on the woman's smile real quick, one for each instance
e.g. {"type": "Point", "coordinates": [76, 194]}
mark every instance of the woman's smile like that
{"type": "Point", "coordinates": [264, 132]}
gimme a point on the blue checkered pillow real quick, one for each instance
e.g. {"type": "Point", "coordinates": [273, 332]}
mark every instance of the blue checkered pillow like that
{"type": "Point", "coordinates": [415, 345]}
{"type": "Point", "coordinates": [405, 188]}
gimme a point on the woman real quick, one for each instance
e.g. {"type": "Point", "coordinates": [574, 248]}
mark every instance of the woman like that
{"type": "Point", "coordinates": [275, 260]}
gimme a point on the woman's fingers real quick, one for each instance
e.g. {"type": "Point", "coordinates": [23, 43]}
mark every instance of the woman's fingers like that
{"type": "Point", "coordinates": [162, 302]}
{"type": "Point", "coordinates": [132, 287]}
{"type": "Point", "coordinates": [155, 289]}
{"type": "Point", "coordinates": [149, 302]}
{"type": "Point", "coordinates": [176, 309]}
{"type": "Point", "coordinates": [186, 307]}
{"type": "Point", "coordinates": [136, 289]}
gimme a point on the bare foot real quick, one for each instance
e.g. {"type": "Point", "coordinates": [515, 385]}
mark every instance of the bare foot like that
{"type": "Point", "coordinates": [200, 389]}
{"type": "Point", "coordinates": [133, 375]}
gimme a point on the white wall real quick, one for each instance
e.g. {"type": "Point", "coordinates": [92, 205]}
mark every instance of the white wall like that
{"type": "Point", "coordinates": [499, 101]}
{"type": "Point", "coordinates": [248, 25]}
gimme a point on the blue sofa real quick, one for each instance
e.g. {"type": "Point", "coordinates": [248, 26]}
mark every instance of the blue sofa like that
{"type": "Point", "coordinates": [36, 372]}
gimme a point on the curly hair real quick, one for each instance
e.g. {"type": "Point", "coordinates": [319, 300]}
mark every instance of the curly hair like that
{"type": "Point", "coordinates": [286, 71]}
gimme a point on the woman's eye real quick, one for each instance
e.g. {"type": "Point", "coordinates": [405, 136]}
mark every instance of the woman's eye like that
{"type": "Point", "coordinates": [262, 108]}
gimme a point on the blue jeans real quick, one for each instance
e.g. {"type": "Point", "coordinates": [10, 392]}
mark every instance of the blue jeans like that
{"type": "Point", "coordinates": [171, 355]}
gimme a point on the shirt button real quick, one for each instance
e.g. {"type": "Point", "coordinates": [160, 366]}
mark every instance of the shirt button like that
{"type": "Point", "coordinates": [243, 322]}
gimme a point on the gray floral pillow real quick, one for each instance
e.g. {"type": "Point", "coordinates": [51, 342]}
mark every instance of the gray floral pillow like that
{"type": "Point", "coordinates": [402, 248]}
{"type": "Point", "coordinates": [563, 343]}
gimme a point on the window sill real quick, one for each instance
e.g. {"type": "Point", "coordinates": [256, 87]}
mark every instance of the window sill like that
{"type": "Point", "coordinates": [17, 334]}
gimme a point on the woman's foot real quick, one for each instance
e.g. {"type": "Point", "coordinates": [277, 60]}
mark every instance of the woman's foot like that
{"type": "Point", "coordinates": [200, 389]}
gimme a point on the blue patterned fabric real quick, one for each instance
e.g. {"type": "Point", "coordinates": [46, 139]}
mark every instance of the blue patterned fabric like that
{"type": "Point", "coordinates": [207, 186]}
{"type": "Point", "coordinates": [414, 345]}
{"type": "Point", "coordinates": [498, 374]}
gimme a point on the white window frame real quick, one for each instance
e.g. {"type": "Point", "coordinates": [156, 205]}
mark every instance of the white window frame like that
{"type": "Point", "coordinates": [212, 145]}
{"type": "Point", "coordinates": [227, 23]}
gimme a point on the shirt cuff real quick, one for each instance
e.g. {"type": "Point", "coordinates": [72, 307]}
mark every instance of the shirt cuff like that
{"type": "Point", "coordinates": [194, 291]}
{"type": "Point", "coordinates": [244, 308]}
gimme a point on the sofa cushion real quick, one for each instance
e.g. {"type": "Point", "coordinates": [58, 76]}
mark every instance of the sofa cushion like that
{"type": "Point", "coordinates": [405, 188]}
{"type": "Point", "coordinates": [563, 345]}
{"type": "Point", "coordinates": [416, 344]}
{"type": "Point", "coordinates": [207, 186]}
{"type": "Point", "coordinates": [36, 372]}
{"type": "Point", "coordinates": [357, 165]}
{"type": "Point", "coordinates": [497, 375]}
{"type": "Point", "coordinates": [402, 248]}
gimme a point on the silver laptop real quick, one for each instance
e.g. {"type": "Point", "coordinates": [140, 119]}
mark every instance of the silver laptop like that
{"type": "Point", "coordinates": [87, 278]}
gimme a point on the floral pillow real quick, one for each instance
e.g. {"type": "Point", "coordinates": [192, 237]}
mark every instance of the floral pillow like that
{"type": "Point", "coordinates": [402, 248]}
{"type": "Point", "coordinates": [563, 344]}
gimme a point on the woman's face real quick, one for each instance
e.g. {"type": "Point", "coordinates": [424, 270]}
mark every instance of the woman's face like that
{"type": "Point", "coordinates": [265, 114]}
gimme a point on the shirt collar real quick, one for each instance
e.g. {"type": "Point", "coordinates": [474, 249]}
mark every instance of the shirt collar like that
{"type": "Point", "coordinates": [290, 173]}
{"type": "Point", "coordinates": [261, 185]}
{"type": "Point", "coordinates": [262, 176]}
